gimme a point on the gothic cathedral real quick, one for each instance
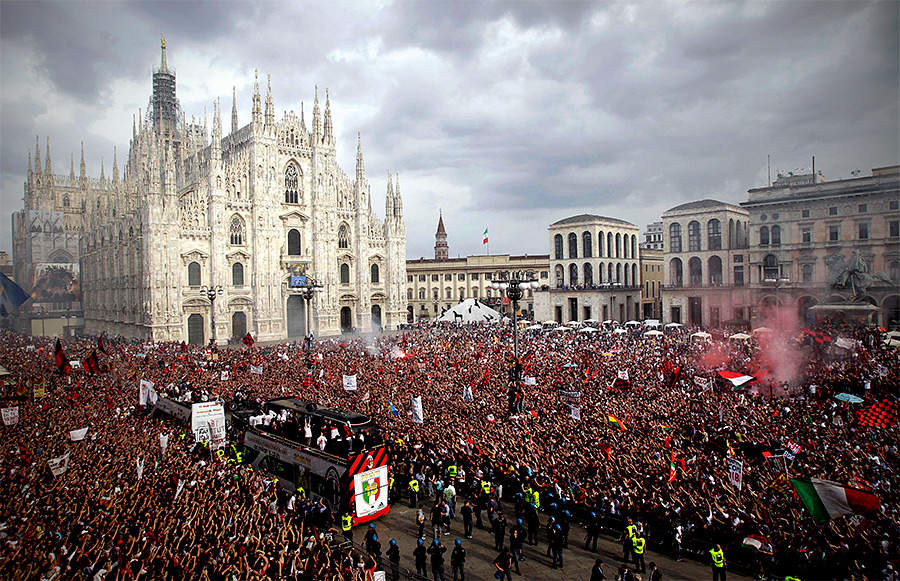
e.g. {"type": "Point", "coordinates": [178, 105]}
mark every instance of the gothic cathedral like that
{"type": "Point", "coordinates": [263, 212]}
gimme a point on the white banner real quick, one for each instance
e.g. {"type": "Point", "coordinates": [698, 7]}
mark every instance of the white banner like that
{"type": "Point", "coordinates": [365, 398]}
{"type": "Point", "coordinates": [179, 489]}
{"type": "Point", "coordinates": [59, 465]}
{"type": "Point", "coordinates": [529, 380]}
{"type": "Point", "coordinates": [350, 382]}
{"type": "Point", "coordinates": [467, 394]}
{"type": "Point", "coordinates": [140, 468]}
{"type": "Point", "coordinates": [11, 416]}
{"type": "Point", "coordinates": [257, 369]}
{"type": "Point", "coordinates": [163, 442]}
{"type": "Point", "coordinates": [224, 375]}
{"type": "Point", "coordinates": [701, 382]}
{"type": "Point", "coordinates": [576, 412]}
{"type": "Point", "coordinates": [144, 391]}
{"type": "Point", "coordinates": [203, 415]}
{"type": "Point", "coordinates": [622, 374]}
{"type": "Point", "coordinates": [418, 416]}
{"type": "Point", "coordinates": [217, 433]}
{"type": "Point", "coordinates": [736, 472]}
{"type": "Point", "coordinates": [78, 435]}
{"type": "Point", "coordinates": [370, 489]}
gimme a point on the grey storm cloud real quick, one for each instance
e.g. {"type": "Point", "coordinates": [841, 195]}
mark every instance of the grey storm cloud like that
{"type": "Point", "coordinates": [511, 115]}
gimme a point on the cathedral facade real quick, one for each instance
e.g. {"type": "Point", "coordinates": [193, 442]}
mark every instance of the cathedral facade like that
{"type": "Point", "coordinates": [210, 235]}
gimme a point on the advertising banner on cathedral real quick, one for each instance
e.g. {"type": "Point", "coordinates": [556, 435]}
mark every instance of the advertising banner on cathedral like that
{"type": "Point", "coordinates": [298, 274]}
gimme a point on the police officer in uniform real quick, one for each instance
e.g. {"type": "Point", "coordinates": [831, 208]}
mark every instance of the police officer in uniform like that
{"type": "Point", "coordinates": [413, 493]}
{"type": "Point", "coordinates": [458, 561]}
{"type": "Point", "coordinates": [627, 535]}
{"type": "Point", "coordinates": [393, 554]}
{"type": "Point", "coordinates": [593, 531]}
{"type": "Point", "coordinates": [717, 558]}
{"type": "Point", "coordinates": [421, 556]}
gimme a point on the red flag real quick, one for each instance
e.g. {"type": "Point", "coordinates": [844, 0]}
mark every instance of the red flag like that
{"type": "Point", "coordinates": [881, 414]}
{"type": "Point", "coordinates": [62, 362]}
{"type": "Point", "coordinates": [248, 340]}
{"type": "Point", "coordinates": [92, 364]}
{"type": "Point", "coordinates": [101, 346]}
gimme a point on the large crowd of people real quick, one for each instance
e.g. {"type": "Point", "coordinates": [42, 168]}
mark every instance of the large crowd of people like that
{"type": "Point", "coordinates": [606, 427]}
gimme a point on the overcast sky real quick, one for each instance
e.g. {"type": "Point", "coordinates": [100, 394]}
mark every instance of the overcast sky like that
{"type": "Point", "coordinates": [506, 116]}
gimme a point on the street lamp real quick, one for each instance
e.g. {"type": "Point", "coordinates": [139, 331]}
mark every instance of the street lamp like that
{"type": "Point", "coordinates": [307, 291]}
{"type": "Point", "coordinates": [515, 289]}
{"type": "Point", "coordinates": [211, 293]}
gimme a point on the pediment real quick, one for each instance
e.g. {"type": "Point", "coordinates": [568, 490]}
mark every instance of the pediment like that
{"type": "Point", "coordinates": [237, 256]}
{"type": "Point", "coordinates": [294, 215]}
{"type": "Point", "coordinates": [194, 255]}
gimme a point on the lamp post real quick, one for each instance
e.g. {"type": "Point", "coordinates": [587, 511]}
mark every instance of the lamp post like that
{"type": "Point", "coordinates": [211, 293]}
{"type": "Point", "coordinates": [307, 291]}
{"type": "Point", "coordinates": [515, 289]}
{"type": "Point", "coordinates": [777, 282]}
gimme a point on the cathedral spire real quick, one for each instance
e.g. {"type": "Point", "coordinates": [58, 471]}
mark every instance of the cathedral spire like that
{"type": "Point", "coordinates": [398, 201]}
{"type": "Point", "coordinates": [316, 118]}
{"type": "Point", "coordinates": [329, 133]}
{"type": "Point", "coordinates": [29, 166]}
{"type": "Point", "coordinates": [257, 109]}
{"type": "Point", "coordinates": [217, 121]}
{"type": "Point", "coordinates": [47, 169]}
{"type": "Point", "coordinates": [270, 103]}
{"type": "Point", "coordinates": [162, 63]}
{"type": "Point", "coordinates": [389, 198]}
{"type": "Point", "coordinates": [37, 154]}
{"type": "Point", "coordinates": [302, 118]}
{"type": "Point", "coordinates": [82, 177]}
{"type": "Point", "coordinates": [360, 163]}
{"type": "Point", "coordinates": [234, 119]}
{"type": "Point", "coordinates": [133, 128]}
{"type": "Point", "coordinates": [72, 166]}
{"type": "Point", "coordinates": [115, 176]}
{"type": "Point", "coordinates": [102, 174]}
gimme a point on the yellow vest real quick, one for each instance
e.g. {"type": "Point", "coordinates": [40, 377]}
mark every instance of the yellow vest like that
{"type": "Point", "coordinates": [631, 531]}
{"type": "Point", "coordinates": [536, 499]}
{"type": "Point", "coordinates": [300, 492]}
{"type": "Point", "coordinates": [718, 558]}
{"type": "Point", "coordinates": [346, 522]}
{"type": "Point", "coordinates": [639, 545]}
{"type": "Point", "coordinates": [414, 485]}
{"type": "Point", "coordinates": [452, 471]}
{"type": "Point", "coordinates": [486, 486]}
{"type": "Point", "coordinates": [391, 483]}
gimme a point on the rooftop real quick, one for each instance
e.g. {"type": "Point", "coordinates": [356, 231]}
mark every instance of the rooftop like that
{"type": "Point", "coordinates": [700, 205]}
{"type": "Point", "coordinates": [590, 218]}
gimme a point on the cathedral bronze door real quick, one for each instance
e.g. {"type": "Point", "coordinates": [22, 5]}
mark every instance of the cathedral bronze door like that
{"type": "Point", "coordinates": [238, 325]}
{"type": "Point", "coordinates": [296, 316]}
{"type": "Point", "coordinates": [195, 329]}
{"type": "Point", "coordinates": [376, 318]}
{"type": "Point", "coordinates": [346, 320]}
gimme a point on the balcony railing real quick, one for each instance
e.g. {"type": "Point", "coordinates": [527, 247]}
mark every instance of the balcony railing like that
{"type": "Point", "coordinates": [595, 287]}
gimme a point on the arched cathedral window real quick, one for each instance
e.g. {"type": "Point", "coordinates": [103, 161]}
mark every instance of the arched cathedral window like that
{"type": "Point", "coordinates": [237, 230]}
{"type": "Point", "coordinates": [291, 185]}
{"type": "Point", "coordinates": [343, 237]}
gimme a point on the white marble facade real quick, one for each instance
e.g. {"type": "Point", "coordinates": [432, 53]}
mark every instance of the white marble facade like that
{"type": "Point", "coordinates": [244, 210]}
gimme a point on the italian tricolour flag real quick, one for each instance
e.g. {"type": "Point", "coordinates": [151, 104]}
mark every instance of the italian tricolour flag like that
{"type": "Point", "coordinates": [737, 379]}
{"type": "Point", "coordinates": [826, 500]}
{"type": "Point", "coordinates": [614, 421]}
{"type": "Point", "coordinates": [485, 237]}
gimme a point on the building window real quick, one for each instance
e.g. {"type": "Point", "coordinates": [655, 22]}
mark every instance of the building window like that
{"type": "Point", "coordinates": [573, 245]}
{"type": "Point", "coordinates": [291, 184]}
{"type": "Point", "coordinates": [475, 293]}
{"type": "Point", "coordinates": [894, 228]}
{"type": "Point", "coordinates": [694, 236]}
{"type": "Point", "coordinates": [895, 205]}
{"type": "Point", "coordinates": [462, 293]}
{"type": "Point", "coordinates": [544, 274]}
{"type": "Point", "coordinates": [588, 274]}
{"type": "Point", "coordinates": [345, 273]}
{"type": "Point", "coordinates": [863, 230]}
{"type": "Point", "coordinates": [343, 236]}
{"type": "Point", "coordinates": [434, 294]}
{"type": "Point", "coordinates": [409, 294]}
{"type": "Point", "coordinates": [738, 276]}
{"type": "Point", "coordinates": [193, 274]}
{"type": "Point", "coordinates": [587, 244]}
{"type": "Point", "coordinates": [421, 294]}
{"type": "Point", "coordinates": [774, 215]}
{"type": "Point", "coordinates": [461, 276]}
{"type": "Point", "coordinates": [237, 230]}
{"type": "Point", "coordinates": [776, 235]}
{"type": "Point", "coordinates": [894, 271]}
{"type": "Point", "coordinates": [237, 274]}
{"type": "Point", "coordinates": [473, 276]}
{"type": "Point", "coordinates": [764, 236]}
{"type": "Point", "coordinates": [806, 235]}
{"type": "Point", "coordinates": [695, 270]}
{"type": "Point", "coordinates": [739, 258]}
{"type": "Point", "coordinates": [409, 278]}
{"type": "Point", "coordinates": [448, 293]}
{"type": "Point", "coordinates": [676, 275]}
{"type": "Point", "coordinates": [558, 247]}
{"type": "Point", "coordinates": [863, 208]}
{"type": "Point", "coordinates": [806, 273]}
{"type": "Point", "coordinates": [714, 235]}
{"type": "Point", "coordinates": [834, 233]}
{"type": "Point", "coordinates": [715, 271]}
{"type": "Point", "coordinates": [804, 214]}
{"type": "Point", "coordinates": [448, 277]}
{"type": "Point", "coordinates": [832, 211]}
{"type": "Point", "coordinates": [293, 242]}
{"type": "Point", "coordinates": [573, 274]}
{"type": "Point", "coordinates": [421, 278]}
{"type": "Point", "coordinates": [435, 277]}
{"type": "Point", "coordinates": [375, 274]}
{"type": "Point", "coordinates": [770, 267]}
{"type": "Point", "coordinates": [618, 245]}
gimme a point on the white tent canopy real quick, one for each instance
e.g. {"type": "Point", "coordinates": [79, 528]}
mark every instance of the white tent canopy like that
{"type": "Point", "coordinates": [701, 335]}
{"type": "Point", "coordinates": [470, 311]}
{"type": "Point", "coordinates": [587, 330]}
{"type": "Point", "coordinates": [633, 324]}
{"type": "Point", "coordinates": [619, 331]}
{"type": "Point", "coordinates": [739, 337]}
{"type": "Point", "coordinates": [653, 333]}
{"type": "Point", "coordinates": [534, 328]}
{"type": "Point", "coordinates": [563, 328]}
{"type": "Point", "coordinates": [674, 325]}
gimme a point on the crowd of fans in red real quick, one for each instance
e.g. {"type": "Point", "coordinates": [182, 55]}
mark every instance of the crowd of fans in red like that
{"type": "Point", "coordinates": [189, 515]}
